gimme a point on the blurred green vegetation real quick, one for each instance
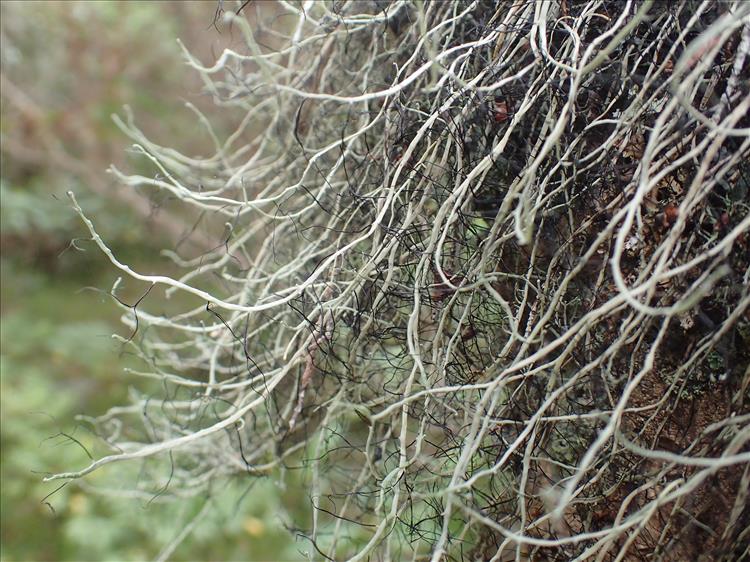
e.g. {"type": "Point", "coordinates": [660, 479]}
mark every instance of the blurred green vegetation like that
{"type": "Point", "coordinates": [66, 66]}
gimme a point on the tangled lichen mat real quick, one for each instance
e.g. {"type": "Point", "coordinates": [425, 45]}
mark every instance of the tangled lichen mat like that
{"type": "Point", "coordinates": [479, 280]}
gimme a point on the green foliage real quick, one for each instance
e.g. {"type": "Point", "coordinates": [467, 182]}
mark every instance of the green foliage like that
{"type": "Point", "coordinates": [24, 211]}
{"type": "Point", "coordinates": [54, 367]}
